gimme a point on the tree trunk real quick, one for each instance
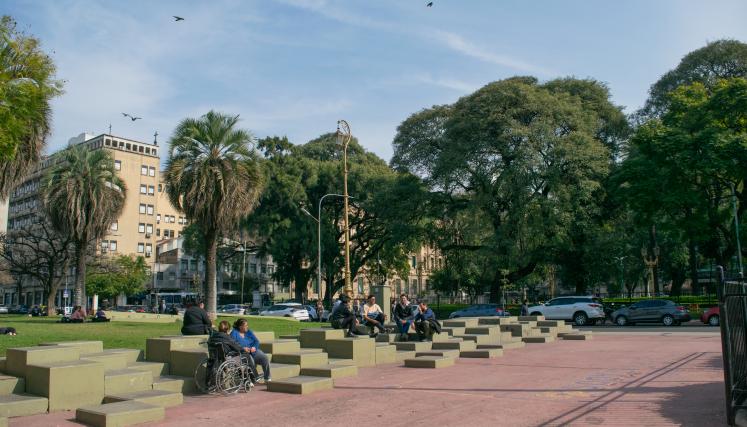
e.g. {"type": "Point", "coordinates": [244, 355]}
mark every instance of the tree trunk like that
{"type": "Point", "coordinates": [53, 287]}
{"type": "Point", "coordinates": [653, 244]}
{"type": "Point", "coordinates": [693, 261]}
{"type": "Point", "coordinates": [80, 276]}
{"type": "Point", "coordinates": [211, 284]}
{"type": "Point", "coordinates": [301, 285]}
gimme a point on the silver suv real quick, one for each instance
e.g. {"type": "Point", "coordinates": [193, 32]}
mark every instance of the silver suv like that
{"type": "Point", "coordinates": [580, 310]}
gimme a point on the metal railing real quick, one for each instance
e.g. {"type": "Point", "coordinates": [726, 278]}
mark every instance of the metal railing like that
{"type": "Point", "coordinates": [732, 297]}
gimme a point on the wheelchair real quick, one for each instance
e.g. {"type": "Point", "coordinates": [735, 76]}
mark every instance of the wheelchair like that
{"type": "Point", "coordinates": [225, 373]}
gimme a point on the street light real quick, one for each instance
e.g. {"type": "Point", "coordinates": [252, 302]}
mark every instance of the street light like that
{"type": "Point", "coordinates": [736, 229]}
{"type": "Point", "coordinates": [318, 220]}
{"type": "Point", "coordinates": [343, 137]}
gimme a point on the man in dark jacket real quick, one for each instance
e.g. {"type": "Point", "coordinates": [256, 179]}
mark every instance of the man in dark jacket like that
{"type": "Point", "coordinates": [196, 320]}
{"type": "Point", "coordinates": [343, 318]}
{"type": "Point", "coordinates": [403, 316]}
{"type": "Point", "coordinates": [426, 323]}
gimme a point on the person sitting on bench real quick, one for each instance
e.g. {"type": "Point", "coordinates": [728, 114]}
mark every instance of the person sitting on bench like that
{"type": "Point", "coordinates": [342, 317]}
{"type": "Point", "coordinates": [196, 320]}
{"type": "Point", "coordinates": [403, 316]}
{"type": "Point", "coordinates": [250, 346]}
{"type": "Point", "coordinates": [425, 322]}
{"type": "Point", "coordinates": [373, 315]}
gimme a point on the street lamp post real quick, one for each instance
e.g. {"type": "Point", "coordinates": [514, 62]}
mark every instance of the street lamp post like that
{"type": "Point", "coordinates": [736, 229]}
{"type": "Point", "coordinates": [622, 272]}
{"type": "Point", "coordinates": [343, 137]}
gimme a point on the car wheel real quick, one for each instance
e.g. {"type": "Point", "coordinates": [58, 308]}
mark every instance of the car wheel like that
{"type": "Point", "coordinates": [287, 315]}
{"type": "Point", "coordinates": [580, 318]}
{"type": "Point", "coordinates": [621, 321]}
{"type": "Point", "coordinates": [713, 320]}
{"type": "Point", "coordinates": [667, 320]}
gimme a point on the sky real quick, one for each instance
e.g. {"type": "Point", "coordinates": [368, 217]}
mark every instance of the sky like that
{"type": "Point", "coordinates": [295, 67]}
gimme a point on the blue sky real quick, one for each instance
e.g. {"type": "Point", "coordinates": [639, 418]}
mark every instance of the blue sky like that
{"type": "Point", "coordinates": [294, 67]}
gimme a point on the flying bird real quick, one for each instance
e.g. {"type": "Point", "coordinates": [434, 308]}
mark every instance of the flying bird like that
{"type": "Point", "coordinates": [430, 4]}
{"type": "Point", "coordinates": [133, 118]}
{"type": "Point", "coordinates": [178, 18]}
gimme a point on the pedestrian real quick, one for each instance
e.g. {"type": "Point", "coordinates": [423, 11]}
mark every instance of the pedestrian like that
{"type": "Point", "coordinates": [319, 311]}
{"type": "Point", "coordinates": [524, 308]}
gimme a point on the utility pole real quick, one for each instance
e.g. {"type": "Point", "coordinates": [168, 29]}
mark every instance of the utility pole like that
{"type": "Point", "coordinates": [343, 137]}
{"type": "Point", "coordinates": [736, 228]}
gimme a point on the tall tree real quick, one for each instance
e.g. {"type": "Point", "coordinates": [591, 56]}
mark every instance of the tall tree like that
{"type": "Point", "coordinates": [213, 176]}
{"type": "Point", "coordinates": [124, 274]}
{"type": "Point", "coordinates": [82, 197]}
{"type": "Point", "coordinates": [27, 84]}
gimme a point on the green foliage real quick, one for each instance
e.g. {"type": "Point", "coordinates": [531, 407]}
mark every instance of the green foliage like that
{"type": "Point", "coordinates": [121, 275]}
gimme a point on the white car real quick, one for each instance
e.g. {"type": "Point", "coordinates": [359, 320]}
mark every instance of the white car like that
{"type": "Point", "coordinates": [289, 309]}
{"type": "Point", "coordinates": [581, 310]}
{"type": "Point", "coordinates": [232, 309]}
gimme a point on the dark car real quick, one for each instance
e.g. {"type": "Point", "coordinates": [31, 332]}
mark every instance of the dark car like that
{"type": "Point", "coordinates": [652, 311]}
{"type": "Point", "coordinates": [711, 316]}
{"type": "Point", "coordinates": [480, 310]}
{"type": "Point", "coordinates": [20, 309]}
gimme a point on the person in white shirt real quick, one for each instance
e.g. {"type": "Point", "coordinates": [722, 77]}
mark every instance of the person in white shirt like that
{"type": "Point", "coordinates": [373, 315]}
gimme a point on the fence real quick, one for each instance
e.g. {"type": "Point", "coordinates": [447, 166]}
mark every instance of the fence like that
{"type": "Point", "coordinates": [732, 296]}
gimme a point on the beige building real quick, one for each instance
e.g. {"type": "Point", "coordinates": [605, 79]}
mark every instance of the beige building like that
{"type": "Point", "coordinates": [146, 218]}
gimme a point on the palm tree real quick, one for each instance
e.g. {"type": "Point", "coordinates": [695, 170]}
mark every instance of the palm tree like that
{"type": "Point", "coordinates": [213, 176]}
{"type": "Point", "coordinates": [82, 197]}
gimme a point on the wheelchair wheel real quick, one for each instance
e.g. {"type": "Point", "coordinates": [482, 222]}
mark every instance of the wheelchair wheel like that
{"type": "Point", "coordinates": [202, 381]}
{"type": "Point", "coordinates": [229, 377]}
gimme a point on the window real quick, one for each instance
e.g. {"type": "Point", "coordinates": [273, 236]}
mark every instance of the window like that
{"type": "Point", "coordinates": [148, 249]}
{"type": "Point", "coordinates": [151, 190]}
{"type": "Point", "coordinates": [144, 170]}
{"type": "Point", "coordinates": [142, 208]}
{"type": "Point", "coordinates": [141, 228]}
{"type": "Point", "coordinates": [264, 268]}
{"type": "Point", "coordinates": [113, 245]}
{"type": "Point", "coordinates": [143, 189]}
{"type": "Point", "coordinates": [115, 226]}
{"type": "Point", "coordinates": [117, 165]}
{"type": "Point", "coordinates": [253, 268]}
{"type": "Point", "coordinates": [160, 188]}
{"type": "Point", "coordinates": [140, 248]}
{"type": "Point", "coordinates": [104, 245]}
{"type": "Point", "coordinates": [185, 264]}
{"type": "Point", "coordinates": [150, 209]}
{"type": "Point", "coordinates": [360, 285]}
{"type": "Point", "coordinates": [414, 262]}
{"type": "Point", "coordinates": [149, 228]}
{"type": "Point", "coordinates": [159, 275]}
{"type": "Point", "coordinates": [151, 171]}
{"type": "Point", "coordinates": [158, 218]}
{"type": "Point", "coordinates": [158, 232]}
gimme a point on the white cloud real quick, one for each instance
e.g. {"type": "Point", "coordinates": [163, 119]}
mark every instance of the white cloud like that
{"type": "Point", "coordinates": [448, 83]}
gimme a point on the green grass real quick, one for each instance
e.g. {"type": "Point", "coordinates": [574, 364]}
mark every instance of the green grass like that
{"type": "Point", "coordinates": [35, 330]}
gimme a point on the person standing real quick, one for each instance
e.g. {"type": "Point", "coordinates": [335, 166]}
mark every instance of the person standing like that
{"type": "Point", "coordinates": [524, 309]}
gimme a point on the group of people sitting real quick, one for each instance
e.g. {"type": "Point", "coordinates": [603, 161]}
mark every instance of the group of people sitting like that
{"type": "Point", "coordinates": [238, 341]}
{"type": "Point", "coordinates": [79, 316]}
{"type": "Point", "coordinates": [405, 314]}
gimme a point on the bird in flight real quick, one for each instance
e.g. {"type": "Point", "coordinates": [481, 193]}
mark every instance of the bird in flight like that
{"type": "Point", "coordinates": [178, 18]}
{"type": "Point", "coordinates": [429, 4]}
{"type": "Point", "coordinates": [133, 118]}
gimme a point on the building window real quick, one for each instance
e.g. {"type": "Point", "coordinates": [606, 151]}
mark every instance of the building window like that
{"type": "Point", "coordinates": [115, 226]}
{"type": "Point", "coordinates": [113, 245]}
{"type": "Point", "coordinates": [142, 208]}
{"type": "Point", "coordinates": [149, 228]}
{"type": "Point", "coordinates": [151, 190]}
{"type": "Point", "coordinates": [264, 268]}
{"type": "Point", "coordinates": [253, 268]}
{"type": "Point", "coordinates": [117, 165]}
{"type": "Point", "coordinates": [143, 189]}
{"type": "Point", "coordinates": [144, 170]}
{"type": "Point", "coordinates": [104, 245]}
{"type": "Point", "coordinates": [414, 262]}
{"type": "Point", "coordinates": [160, 188]}
{"type": "Point", "coordinates": [140, 248]}
{"type": "Point", "coordinates": [151, 171]}
{"type": "Point", "coordinates": [141, 228]}
{"type": "Point", "coordinates": [185, 264]}
{"type": "Point", "coordinates": [158, 218]}
{"type": "Point", "coordinates": [158, 232]}
{"type": "Point", "coordinates": [150, 209]}
{"type": "Point", "coordinates": [148, 249]}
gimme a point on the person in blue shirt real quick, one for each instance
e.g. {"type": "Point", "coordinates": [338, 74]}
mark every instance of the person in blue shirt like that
{"type": "Point", "coordinates": [425, 322]}
{"type": "Point", "coordinates": [250, 345]}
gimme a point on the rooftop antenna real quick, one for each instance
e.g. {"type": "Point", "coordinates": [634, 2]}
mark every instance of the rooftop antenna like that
{"type": "Point", "coordinates": [155, 138]}
{"type": "Point", "coordinates": [110, 128]}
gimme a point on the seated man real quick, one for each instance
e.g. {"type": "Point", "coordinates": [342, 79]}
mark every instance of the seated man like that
{"type": "Point", "coordinates": [403, 316]}
{"type": "Point", "coordinates": [78, 316]}
{"type": "Point", "coordinates": [100, 316]}
{"type": "Point", "coordinates": [373, 315]}
{"type": "Point", "coordinates": [342, 317]}
{"type": "Point", "coordinates": [196, 320]}
{"type": "Point", "coordinates": [250, 346]}
{"type": "Point", "coordinates": [426, 323]}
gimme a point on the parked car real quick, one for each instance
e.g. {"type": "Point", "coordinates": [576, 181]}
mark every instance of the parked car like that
{"type": "Point", "coordinates": [711, 316]}
{"type": "Point", "coordinates": [289, 309]}
{"type": "Point", "coordinates": [652, 311]}
{"type": "Point", "coordinates": [579, 309]}
{"type": "Point", "coordinates": [3, 309]}
{"type": "Point", "coordinates": [480, 310]}
{"type": "Point", "coordinates": [20, 309]}
{"type": "Point", "coordinates": [232, 309]}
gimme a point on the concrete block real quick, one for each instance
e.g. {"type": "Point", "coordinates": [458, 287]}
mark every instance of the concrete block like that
{"type": "Point", "coordinates": [288, 337]}
{"type": "Point", "coordinates": [109, 360]}
{"type": "Point", "coordinates": [3, 360]}
{"type": "Point", "coordinates": [386, 338]}
{"type": "Point", "coordinates": [184, 385]}
{"type": "Point", "coordinates": [433, 362]}
{"type": "Point", "coordinates": [531, 318]}
{"type": "Point", "coordinates": [480, 339]}
{"type": "Point", "coordinates": [159, 349]}
{"type": "Point", "coordinates": [83, 346]}
{"type": "Point", "coordinates": [126, 381]}
{"type": "Point", "coordinates": [162, 398]}
{"type": "Point", "coordinates": [156, 368]}
{"type": "Point", "coordinates": [300, 385]}
{"type": "Point", "coordinates": [497, 320]}
{"type": "Point", "coordinates": [280, 346]}
{"type": "Point", "coordinates": [461, 322]}
{"type": "Point", "coordinates": [3, 422]}
{"type": "Point", "coordinates": [280, 371]}
{"type": "Point", "coordinates": [554, 323]}
{"type": "Point", "coordinates": [11, 385]}
{"type": "Point", "coordinates": [455, 345]}
{"type": "Point", "coordinates": [341, 362]}
{"type": "Point", "coordinates": [361, 350]}
{"type": "Point", "coordinates": [385, 353]}
{"type": "Point", "coordinates": [317, 337]}
{"type": "Point", "coordinates": [482, 354]}
{"type": "Point", "coordinates": [119, 414]}
{"type": "Point", "coordinates": [537, 340]}
{"type": "Point", "coordinates": [19, 358]}
{"type": "Point", "coordinates": [184, 362]}
{"type": "Point", "coordinates": [68, 385]}
{"type": "Point", "coordinates": [21, 405]}
{"type": "Point", "coordinates": [576, 337]}
{"type": "Point", "coordinates": [413, 346]}
{"type": "Point", "coordinates": [301, 358]}
{"type": "Point", "coordinates": [264, 336]}
{"type": "Point", "coordinates": [131, 354]}
{"type": "Point", "coordinates": [400, 356]}
{"type": "Point", "coordinates": [516, 329]}
{"type": "Point", "coordinates": [438, 353]}
{"type": "Point", "coordinates": [330, 371]}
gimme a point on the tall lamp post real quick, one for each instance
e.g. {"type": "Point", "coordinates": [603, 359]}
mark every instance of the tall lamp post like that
{"type": "Point", "coordinates": [318, 220]}
{"type": "Point", "coordinates": [650, 262]}
{"type": "Point", "coordinates": [343, 137]}
{"type": "Point", "coordinates": [622, 272]}
{"type": "Point", "coordinates": [736, 229]}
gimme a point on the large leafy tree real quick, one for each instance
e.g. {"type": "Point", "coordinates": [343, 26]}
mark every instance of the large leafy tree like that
{"type": "Point", "coordinates": [213, 176]}
{"type": "Point", "coordinates": [529, 157]}
{"type": "Point", "coordinates": [27, 84]}
{"type": "Point", "coordinates": [123, 274]}
{"type": "Point", "coordinates": [82, 197]}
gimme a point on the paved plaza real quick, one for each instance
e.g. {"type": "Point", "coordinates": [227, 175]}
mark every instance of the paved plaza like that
{"type": "Point", "coordinates": [641, 378]}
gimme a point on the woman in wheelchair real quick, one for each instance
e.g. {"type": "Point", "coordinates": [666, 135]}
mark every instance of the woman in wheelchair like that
{"type": "Point", "coordinates": [250, 346]}
{"type": "Point", "coordinates": [228, 367]}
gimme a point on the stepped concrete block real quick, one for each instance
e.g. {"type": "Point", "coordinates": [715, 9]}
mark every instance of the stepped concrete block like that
{"type": "Point", "coordinates": [531, 318]}
{"type": "Point", "coordinates": [301, 358]}
{"type": "Point", "coordinates": [548, 330]}
{"type": "Point", "coordinates": [159, 349]}
{"type": "Point", "coordinates": [2, 363]}
{"type": "Point", "coordinates": [413, 346]}
{"type": "Point", "coordinates": [3, 422]}
{"type": "Point", "coordinates": [83, 346]}
{"type": "Point", "coordinates": [482, 354]}
{"type": "Point", "coordinates": [532, 324]}
{"type": "Point", "coordinates": [132, 354]}
{"type": "Point", "coordinates": [443, 336]}
{"type": "Point", "coordinates": [119, 414]}
{"type": "Point", "coordinates": [462, 322]}
{"type": "Point", "coordinates": [21, 405]}
{"type": "Point", "coordinates": [280, 371]}
{"type": "Point", "coordinates": [433, 362]}
{"type": "Point", "coordinates": [162, 398]}
{"type": "Point", "coordinates": [455, 345]}
{"type": "Point", "coordinates": [67, 385]}
{"type": "Point", "coordinates": [438, 353]}
{"type": "Point", "coordinates": [331, 371]}
{"type": "Point", "coordinates": [494, 320]}
{"type": "Point", "coordinates": [537, 340]}
{"type": "Point", "coordinates": [156, 368]}
{"type": "Point", "coordinates": [576, 337]}
{"type": "Point", "coordinates": [300, 385]}
{"type": "Point", "coordinates": [386, 338]}
{"type": "Point", "coordinates": [280, 346]}
{"type": "Point", "coordinates": [264, 336]}
{"type": "Point", "coordinates": [505, 345]}
{"type": "Point", "coordinates": [176, 384]}
{"type": "Point", "coordinates": [126, 381]}
{"type": "Point", "coordinates": [479, 339]}
{"type": "Point", "coordinates": [360, 350]}
{"type": "Point", "coordinates": [184, 362]}
{"type": "Point", "coordinates": [19, 358]}
{"type": "Point", "coordinates": [516, 329]}
{"type": "Point", "coordinates": [555, 323]}
{"type": "Point", "coordinates": [11, 385]}
{"type": "Point", "coordinates": [494, 331]}
{"type": "Point", "coordinates": [385, 353]}
{"type": "Point", "coordinates": [109, 360]}
{"type": "Point", "coordinates": [454, 330]}
{"type": "Point", "coordinates": [341, 362]}
{"type": "Point", "coordinates": [317, 337]}
{"type": "Point", "coordinates": [288, 337]}
{"type": "Point", "coordinates": [400, 356]}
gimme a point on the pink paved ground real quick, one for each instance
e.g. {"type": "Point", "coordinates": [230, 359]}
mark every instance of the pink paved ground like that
{"type": "Point", "coordinates": [656, 379]}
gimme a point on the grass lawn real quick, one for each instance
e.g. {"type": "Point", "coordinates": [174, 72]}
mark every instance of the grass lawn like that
{"type": "Point", "coordinates": [35, 330]}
